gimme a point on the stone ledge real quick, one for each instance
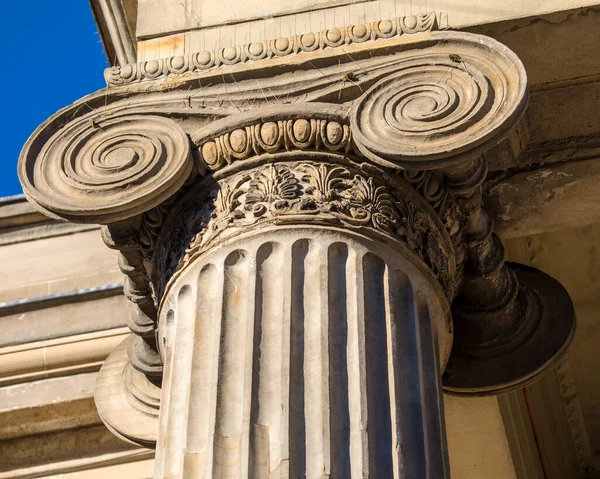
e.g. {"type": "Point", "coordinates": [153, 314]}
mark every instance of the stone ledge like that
{"type": "Point", "coordinates": [78, 312]}
{"type": "Point", "coordinates": [58, 357]}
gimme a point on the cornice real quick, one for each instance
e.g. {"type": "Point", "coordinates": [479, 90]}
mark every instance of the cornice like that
{"type": "Point", "coordinates": [117, 39]}
{"type": "Point", "coordinates": [83, 463]}
{"type": "Point", "coordinates": [333, 38]}
{"type": "Point", "coordinates": [25, 321]}
{"type": "Point", "coordinates": [21, 222]}
{"type": "Point", "coordinates": [16, 211]}
{"type": "Point", "coordinates": [51, 300]}
{"type": "Point", "coordinates": [38, 230]}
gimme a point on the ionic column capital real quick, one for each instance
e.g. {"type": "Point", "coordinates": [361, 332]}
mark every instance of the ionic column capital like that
{"type": "Point", "coordinates": [380, 140]}
{"type": "Point", "coordinates": [434, 99]}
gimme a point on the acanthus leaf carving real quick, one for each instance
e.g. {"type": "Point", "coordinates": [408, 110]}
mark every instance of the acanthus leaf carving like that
{"type": "Point", "coordinates": [369, 203]}
{"type": "Point", "coordinates": [323, 184]}
{"type": "Point", "coordinates": [297, 193]}
{"type": "Point", "coordinates": [272, 188]}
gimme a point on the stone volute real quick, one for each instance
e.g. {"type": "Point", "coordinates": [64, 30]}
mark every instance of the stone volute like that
{"type": "Point", "coordinates": [307, 256]}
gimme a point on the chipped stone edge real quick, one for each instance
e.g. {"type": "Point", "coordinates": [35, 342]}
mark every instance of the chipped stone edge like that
{"type": "Point", "coordinates": [279, 47]}
{"type": "Point", "coordinates": [575, 417]}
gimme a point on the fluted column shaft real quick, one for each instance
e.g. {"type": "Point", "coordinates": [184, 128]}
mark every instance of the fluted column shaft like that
{"type": "Point", "coordinates": [309, 352]}
{"type": "Point", "coordinates": [292, 281]}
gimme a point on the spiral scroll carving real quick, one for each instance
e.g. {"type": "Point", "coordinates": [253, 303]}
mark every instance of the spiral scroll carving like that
{"type": "Point", "coordinates": [442, 108]}
{"type": "Point", "coordinates": [105, 171]}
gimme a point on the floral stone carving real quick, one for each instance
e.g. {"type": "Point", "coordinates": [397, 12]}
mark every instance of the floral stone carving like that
{"type": "Point", "coordinates": [304, 193]}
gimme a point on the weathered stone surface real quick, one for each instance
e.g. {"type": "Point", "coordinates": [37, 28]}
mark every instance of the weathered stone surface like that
{"type": "Point", "coordinates": [70, 263]}
{"type": "Point", "coordinates": [198, 59]}
{"type": "Point", "coordinates": [434, 111]}
{"type": "Point", "coordinates": [127, 402]}
{"type": "Point", "coordinates": [308, 352]}
{"type": "Point", "coordinates": [255, 20]}
{"type": "Point", "coordinates": [259, 181]}
{"type": "Point", "coordinates": [548, 198]}
{"type": "Point", "coordinates": [111, 171]}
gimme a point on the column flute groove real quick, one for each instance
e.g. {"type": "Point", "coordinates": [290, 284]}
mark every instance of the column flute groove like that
{"type": "Point", "coordinates": [329, 271]}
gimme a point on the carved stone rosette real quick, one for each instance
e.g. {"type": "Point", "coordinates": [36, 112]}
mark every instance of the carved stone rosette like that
{"type": "Point", "coordinates": [303, 267]}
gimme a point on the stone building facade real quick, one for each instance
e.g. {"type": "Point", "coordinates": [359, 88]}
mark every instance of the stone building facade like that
{"type": "Point", "coordinates": [353, 238]}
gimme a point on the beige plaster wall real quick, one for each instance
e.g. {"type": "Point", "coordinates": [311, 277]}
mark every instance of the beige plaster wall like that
{"type": "Point", "coordinates": [56, 265]}
{"type": "Point", "coordinates": [175, 27]}
{"type": "Point", "coordinates": [477, 442]}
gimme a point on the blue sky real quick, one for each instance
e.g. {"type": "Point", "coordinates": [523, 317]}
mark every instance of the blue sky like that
{"type": "Point", "coordinates": [52, 56]}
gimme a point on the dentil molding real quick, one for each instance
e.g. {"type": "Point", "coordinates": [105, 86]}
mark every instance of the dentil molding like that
{"type": "Point", "coordinates": [278, 47]}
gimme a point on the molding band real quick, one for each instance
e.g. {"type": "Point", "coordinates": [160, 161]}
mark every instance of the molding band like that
{"type": "Point", "coordinates": [279, 47]}
{"type": "Point", "coordinates": [77, 295]}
